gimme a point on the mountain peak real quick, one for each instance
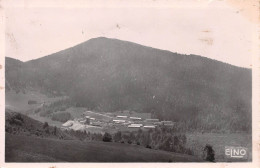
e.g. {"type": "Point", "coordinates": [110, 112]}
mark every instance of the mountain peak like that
{"type": "Point", "coordinates": [111, 75]}
{"type": "Point", "coordinates": [99, 38]}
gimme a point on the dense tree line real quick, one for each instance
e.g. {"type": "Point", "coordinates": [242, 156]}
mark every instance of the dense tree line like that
{"type": "Point", "coordinates": [161, 138]}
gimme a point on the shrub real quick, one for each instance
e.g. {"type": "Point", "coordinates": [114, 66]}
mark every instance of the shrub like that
{"type": "Point", "coordinates": [37, 133]}
{"type": "Point", "coordinates": [45, 125]}
{"type": "Point", "coordinates": [19, 117]}
{"type": "Point", "coordinates": [148, 146]}
{"type": "Point", "coordinates": [17, 122]}
{"type": "Point", "coordinates": [55, 130]}
{"type": "Point", "coordinates": [107, 137]}
{"type": "Point", "coordinates": [47, 131]}
{"type": "Point", "coordinates": [176, 140]}
{"type": "Point", "coordinates": [7, 129]}
{"type": "Point", "coordinates": [32, 102]}
{"type": "Point", "coordinates": [209, 153]}
{"type": "Point", "coordinates": [129, 141]}
{"type": "Point", "coordinates": [138, 143]}
{"type": "Point", "coordinates": [118, 136]}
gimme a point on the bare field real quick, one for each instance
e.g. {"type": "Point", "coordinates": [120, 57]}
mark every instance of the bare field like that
{"type": "Point", "coordinates": [19, 101]}
{"type": "Point", "coordinates": [45, 119]}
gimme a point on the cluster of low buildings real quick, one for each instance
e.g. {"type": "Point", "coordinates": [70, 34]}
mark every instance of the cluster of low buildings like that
{"type": "Point", "coordinates": [123, 122]}
{"type": "Point", "coordinates": [134, 123]}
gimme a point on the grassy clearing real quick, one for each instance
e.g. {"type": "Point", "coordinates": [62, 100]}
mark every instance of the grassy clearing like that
{"type": "Point", "coordinates": [19, 101]}
{"type": "Point", "coordinates": [20, 148]}
{"type": "Point", "coordinates": [46, 119]}
{"type": "Point", "coordinates": [197, 141]}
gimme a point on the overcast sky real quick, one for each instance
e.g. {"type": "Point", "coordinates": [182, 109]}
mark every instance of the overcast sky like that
{"type": "Point", "coordinates": [214, 30]}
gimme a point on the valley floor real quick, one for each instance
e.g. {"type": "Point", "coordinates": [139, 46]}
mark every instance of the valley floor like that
{"type": "Point", "coordinates": [30, 149]}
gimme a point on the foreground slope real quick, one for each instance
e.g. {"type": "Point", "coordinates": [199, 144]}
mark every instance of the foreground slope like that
{"type": "Point", "coordinates": [110, 75]}
{"type": "Point", "coordinates": [19, 124]}
{"type": "Point", "coordinates": [32, 149]}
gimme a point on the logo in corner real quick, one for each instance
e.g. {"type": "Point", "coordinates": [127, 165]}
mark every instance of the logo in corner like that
{"type": "Point", "coordinates": [236, 152]}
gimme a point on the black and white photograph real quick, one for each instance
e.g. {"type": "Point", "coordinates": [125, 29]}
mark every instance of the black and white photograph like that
{"type": "Point", "coordinates": [155, 83]}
